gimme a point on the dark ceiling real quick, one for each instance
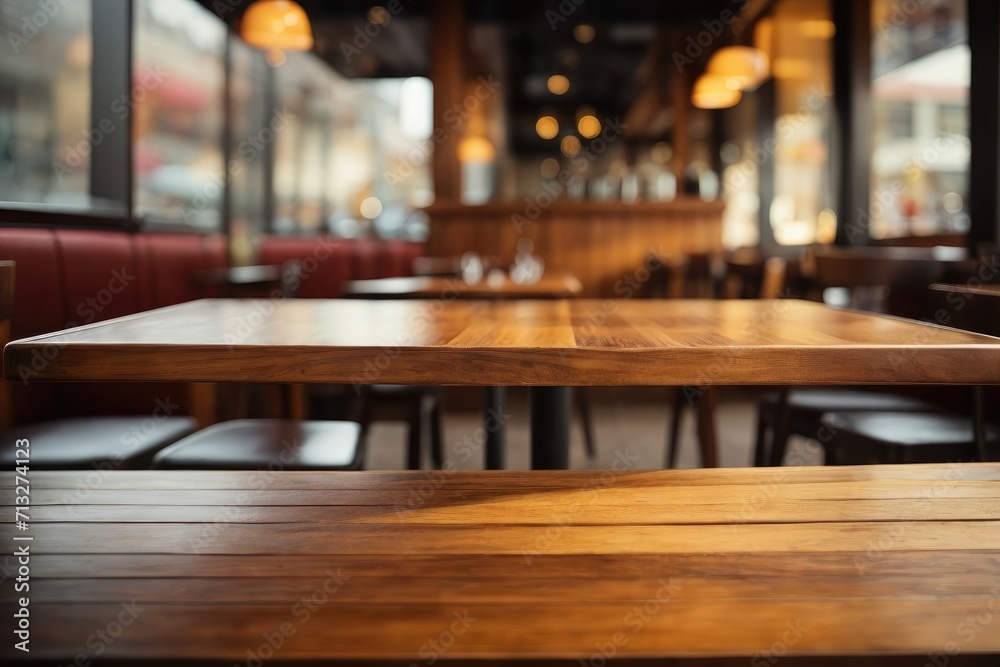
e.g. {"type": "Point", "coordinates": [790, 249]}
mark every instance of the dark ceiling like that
{"type": "Point", "coordinates": [537, 40]}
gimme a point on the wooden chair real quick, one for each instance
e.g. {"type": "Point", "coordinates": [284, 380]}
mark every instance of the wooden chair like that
{"type": "Point", "coordinates": [684, 276]}
{"type": "Point", "coordinates": [925, 437]}
{"type": "Point", "coordinates": [418, 406]}
{"type": "Point", "coordinates": [113, 442]}
{"type": "Point", "coordinates": [880, 279]}
{"type": "Point", "coordinates": [769, 279]}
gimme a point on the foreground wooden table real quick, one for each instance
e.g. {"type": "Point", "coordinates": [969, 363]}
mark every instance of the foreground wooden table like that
{"type": "Point", "coordinates": [753, 562]}
{"type": "Point", "coordinates": [540, 343]}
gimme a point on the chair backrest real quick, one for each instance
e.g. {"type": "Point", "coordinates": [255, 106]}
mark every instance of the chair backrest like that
{"type": "Point", "coordinates": [881, 266]}
{"type": "Point", "coordinates": [886, 279]}
{"type": "Point", "coordinates": [686, 275]}
{"type": "Point", "coordinates": [752, 275]}
{"type": "Point", "coordinates": [973, 308]}
{"type": "Point", "coordinates": [772, 283]}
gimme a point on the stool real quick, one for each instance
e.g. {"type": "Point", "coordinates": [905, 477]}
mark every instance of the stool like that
{"type": "Point", "coordinates": [127, 442]}
{"type": "Point", "coordinates": [900, 437]}
{"type": "Point", "coordinates": [278, 444]}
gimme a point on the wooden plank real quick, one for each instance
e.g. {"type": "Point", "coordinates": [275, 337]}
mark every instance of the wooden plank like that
{"type": "Point", "coordinates": [685, 511]}
{"type": "Point", "coordinates": [593, 493]}
{"type": "Point", "coordinates": [542, 579]}
{"type": "Point", "coordinates": [148, 480]}
{"type": "Point", "coordinates": [942, 568]}
{"type": "Point", "coordinates": [554, 630]}
{"type": "Point", "coordinates": [96, 538]}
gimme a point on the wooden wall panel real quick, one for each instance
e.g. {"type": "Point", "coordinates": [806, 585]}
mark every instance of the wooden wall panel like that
{"type": "Point", "coordinates": [600, 242]}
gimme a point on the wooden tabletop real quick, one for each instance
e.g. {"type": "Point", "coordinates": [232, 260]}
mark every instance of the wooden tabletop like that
{"type": "Point", "coordinates": [497, 342]}
{"type": "Point", "coordinates": [984, 289]}
{"type": "Point", "coordinates": [241, 275]}
{"type": "Point", "coordinates": [551, 286]}
{"type": "Point", "coordinates": [204, 565]}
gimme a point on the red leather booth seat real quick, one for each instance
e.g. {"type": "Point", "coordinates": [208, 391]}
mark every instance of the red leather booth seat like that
{"type": "Point", "coordinates": [72, 277]}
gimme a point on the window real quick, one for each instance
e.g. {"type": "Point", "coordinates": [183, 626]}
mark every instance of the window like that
{"type": "Point", "coordinates": [920, 98]}
{"type": "Point", "coordinates": [178, 97]}
{"type": "Point", "coordinates": [347, 158]}
{"type": "Point", "coordinates": [45, 135]}
{"type": "Point", "coordinates": [801, 66]}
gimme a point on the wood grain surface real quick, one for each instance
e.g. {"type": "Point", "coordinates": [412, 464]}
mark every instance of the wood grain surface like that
{"type": "Point", "coordinates": [532, 342]}
{"type": "Point", "coordinates": [490, 565]}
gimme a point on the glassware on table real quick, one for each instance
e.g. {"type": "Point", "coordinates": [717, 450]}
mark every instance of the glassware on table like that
{"type": "Point", "coordinates": [527, 268]}
{"type": "Point", "coordinates": [472, 268]}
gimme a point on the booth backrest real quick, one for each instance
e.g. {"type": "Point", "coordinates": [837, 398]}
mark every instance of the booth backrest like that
{"type": "Point", "coordinates": [38, 309]}
{"type": "Point", "coordinates": [68, 277]}
{"type": "Point", "coordinates": [165, 257]}
{"type": "Point", "coordinates": [327, 263]}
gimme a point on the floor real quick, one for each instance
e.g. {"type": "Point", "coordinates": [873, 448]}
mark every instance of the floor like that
{"type": "Point", "coordinates": [630, 425]}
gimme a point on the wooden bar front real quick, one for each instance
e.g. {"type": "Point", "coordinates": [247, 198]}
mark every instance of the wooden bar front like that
{"type": "Point", "coordinates": [604, 244]}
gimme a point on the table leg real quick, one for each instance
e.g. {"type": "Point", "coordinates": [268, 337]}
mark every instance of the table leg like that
{"type": "Point", "coordinates": [493, 424]}
{"type": "Point", "coordinates": [550, 410]}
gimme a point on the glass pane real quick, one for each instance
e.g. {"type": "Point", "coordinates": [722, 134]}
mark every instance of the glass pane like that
{"type": "Point", "coordinates": [248, 159]}
{"type": "Point", "coordinates": [402, 124]}
{"type": "Point", "coordinates": [304, 89]}
{"type": "Point", "coordinates": [178, 91]}
{"type": "Point", "coordinates": [45, 137]}
{"type": "Point", "coordinates": [800, 63]}
{"type": "Point", "coordinates": [347, 157]}
{"type": "Point", "coordinates": [920, 100]}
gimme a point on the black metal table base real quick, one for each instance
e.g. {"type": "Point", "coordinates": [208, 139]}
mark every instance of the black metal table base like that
{"type": "Point", "coordinates": [494, 423]}
{"type": "Point", "coordinates": [550, 412]}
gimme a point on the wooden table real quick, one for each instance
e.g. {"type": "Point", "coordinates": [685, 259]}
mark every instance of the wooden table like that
{"type": "Point", "coordinates": [982, 290]}
{"type": "Point", "coordinates": [577, 565]}
{"type": "Point", "coordinates": [516, 343]}
{"type": "Point", "coordinates": [556, 285]}
{"type": "Point", "coordinates": [238, 282]}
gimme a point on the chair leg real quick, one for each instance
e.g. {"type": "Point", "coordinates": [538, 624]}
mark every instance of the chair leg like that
{"type": "Point", "coordinates": [706, 427]}
{"type": "Point", "coordinates": [295, 401]}
{"type": "Point", "coordinates": [414, 437]}
{"type": "Point", "coordinates": [437, 441]}
{"type": "Point", "coordinates": [583, 403]}
{"type": "Point", "coordinates": [675, 427]}
{"type": "Point", "coordinates": [830, 454]}
{"type": "Point", "coordinates": [978, 424]}
{"type": "Point", "coordinates": [761, 451]}
{"type": "Point", "coordinates": [780, 434]}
